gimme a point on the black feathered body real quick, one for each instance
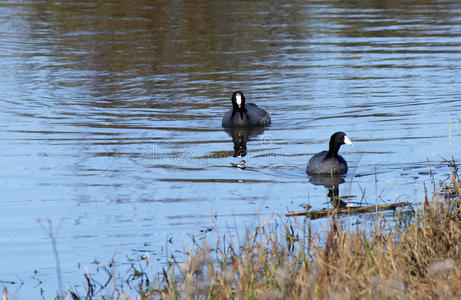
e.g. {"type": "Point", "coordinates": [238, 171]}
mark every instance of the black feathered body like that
{"type": "Point", "coordinates": [320, 164]}
{"type": "Point", "coordinates": [252, 116]}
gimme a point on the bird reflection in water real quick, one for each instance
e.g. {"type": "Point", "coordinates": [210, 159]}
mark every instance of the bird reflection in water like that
{"type": "Point", "coordinates": [240, 137]}
{"type": "Point", "coordinates": [331, 182]}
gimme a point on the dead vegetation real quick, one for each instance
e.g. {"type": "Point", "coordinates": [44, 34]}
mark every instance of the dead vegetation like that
{"type": "Point", "coordinates": [416, 255]}
{"type": "Point", "coordinates": [419, 257]}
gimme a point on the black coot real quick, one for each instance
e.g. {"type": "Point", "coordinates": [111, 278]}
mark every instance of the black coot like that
{"type": "Point", "coordinates": [329, 162]}
{"type": "Point", "coordinates": [244, 115]}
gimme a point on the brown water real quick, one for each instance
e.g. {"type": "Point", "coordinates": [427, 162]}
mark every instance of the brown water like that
{"type": "Point", "coordinates": [110, 119]}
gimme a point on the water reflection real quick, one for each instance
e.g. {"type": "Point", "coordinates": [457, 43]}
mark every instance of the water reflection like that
{"type": "Point", "coordinates": [240, 137]}
{"type": "Point", "coordinates": [332, 184]}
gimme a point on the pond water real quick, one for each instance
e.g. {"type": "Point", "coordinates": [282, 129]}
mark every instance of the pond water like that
{"type": "Point", "coordinates": [110, 119]}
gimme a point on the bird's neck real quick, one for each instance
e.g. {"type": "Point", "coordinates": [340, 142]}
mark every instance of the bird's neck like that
{"type": "Point", "coordinates": [333, 151]}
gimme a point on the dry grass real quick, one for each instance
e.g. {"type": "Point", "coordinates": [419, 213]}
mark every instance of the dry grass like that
{"type": "Point", "coordinates": [415, 256]}
{"type": "Point", "coordinates": [420, 259]}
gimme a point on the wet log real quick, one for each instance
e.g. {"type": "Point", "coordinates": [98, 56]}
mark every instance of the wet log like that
{"type": "Point", "coordinates": [322, 213]}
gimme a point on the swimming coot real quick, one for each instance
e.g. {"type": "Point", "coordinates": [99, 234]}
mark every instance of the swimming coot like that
{"type": "Point", "coordinates": [329, 162]}
{"type": "Point", "coordinates": [244, 115]}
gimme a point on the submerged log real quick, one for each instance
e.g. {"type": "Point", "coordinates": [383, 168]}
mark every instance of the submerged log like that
{"type": "Point", "coordinates": [316, 214]}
